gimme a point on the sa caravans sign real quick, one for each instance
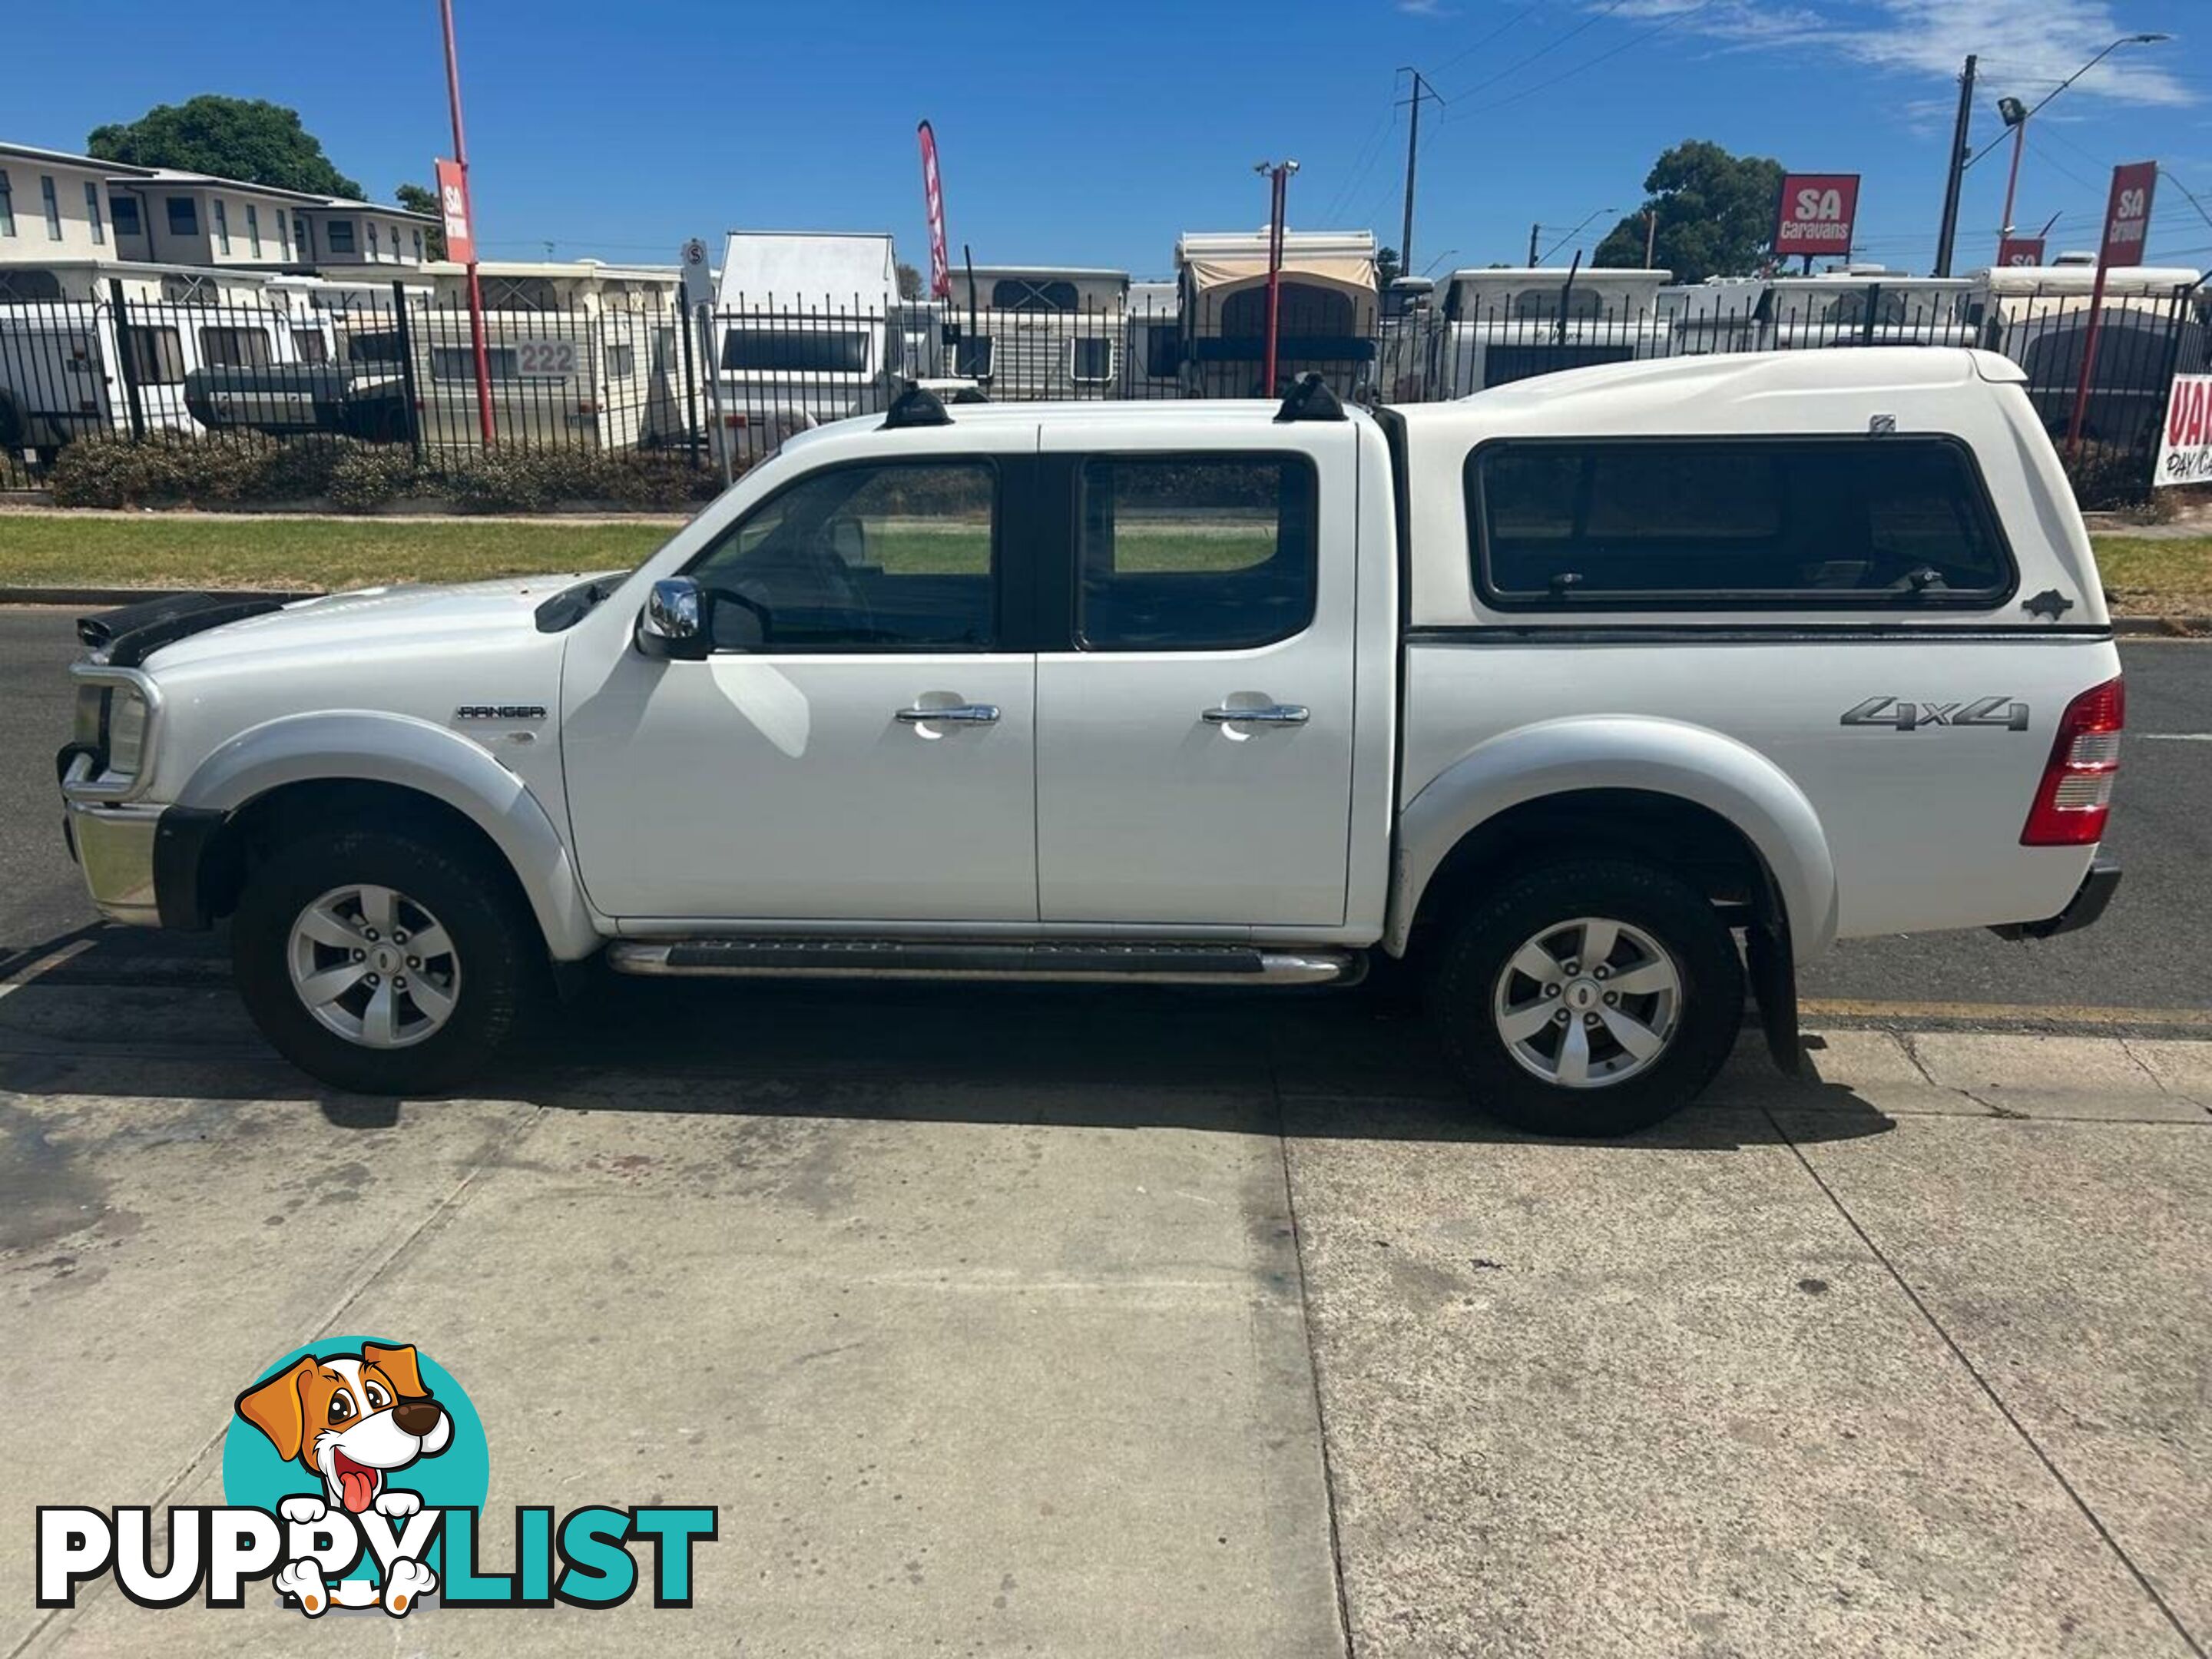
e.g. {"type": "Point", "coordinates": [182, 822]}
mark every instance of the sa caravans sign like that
{"type": "Point", "coordinates": [454, 209]}
{"type": "Point", "coordinates": [1816, 216]}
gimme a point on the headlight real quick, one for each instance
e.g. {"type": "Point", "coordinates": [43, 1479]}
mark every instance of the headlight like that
{"type": "Point", "coordinates": [126, 731]}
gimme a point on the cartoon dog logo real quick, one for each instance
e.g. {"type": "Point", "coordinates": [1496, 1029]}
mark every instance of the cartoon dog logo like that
{"type": "Point", "coordinates": [351, 1420]}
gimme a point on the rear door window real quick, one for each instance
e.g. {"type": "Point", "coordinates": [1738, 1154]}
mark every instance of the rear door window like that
{"type": "Point", "coordinates": [1194, 552]}
{"type": "Point", "coordinates": [1734, 523]}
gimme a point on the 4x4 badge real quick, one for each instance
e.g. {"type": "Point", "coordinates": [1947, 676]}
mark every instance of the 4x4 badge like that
{"type": "Point", "coordinates": [1902, 716]}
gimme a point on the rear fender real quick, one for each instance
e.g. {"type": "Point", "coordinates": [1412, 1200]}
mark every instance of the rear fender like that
{"type": "Point", "coordinates": [413, 753]}
{"type": "Point", "coordinates": [1623, 751]}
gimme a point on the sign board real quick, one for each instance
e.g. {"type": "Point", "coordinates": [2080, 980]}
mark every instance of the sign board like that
{"type": "Point", "coordinates": [698, 280]}
{"type": "Point", "coordinates": [453, 208]}
{"type": "Point", "coordinates": [932, 197]}
{"type": "Point", "coordinates": [2185, 452]}
{"type": "Point", "coordinates": [2020, 251]}
{"type": "Point", "coordinates": [2127, 214]}
{"type": "Point", "coordinates": [1816, 216]}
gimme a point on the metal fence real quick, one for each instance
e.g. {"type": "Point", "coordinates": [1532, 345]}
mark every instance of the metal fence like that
{"type": "Point", "coordinates": [397, 373]}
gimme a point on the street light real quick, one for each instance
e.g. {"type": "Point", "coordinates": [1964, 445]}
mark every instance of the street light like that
{"type": "Point", "coordinates": [1278, 175]}
{"type": "Point", "coordinates": [1438, 260]}
{"type": "Point", "coordinates": [2016, 118]}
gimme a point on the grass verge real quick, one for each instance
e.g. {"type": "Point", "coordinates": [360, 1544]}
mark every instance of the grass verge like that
{"type": "Point", "coordinates": [2146, 577]}
{"type": "Point", "coordinates": [2167, 578]}
{"type": "Point", "coordinates": [167, 550]}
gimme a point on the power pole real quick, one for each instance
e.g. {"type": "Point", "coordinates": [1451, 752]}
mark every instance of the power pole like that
{"type": "Point", "coordinates": [1956, 175]}
{"type": "Point", "coordinates": [1534, 231]}
{"type": "Point", "coordinates": [1421, 90]}
{"type": "Point", "coordinates": [1278, 174]}
{"type": "Point", "coordinates": [1651, 235]}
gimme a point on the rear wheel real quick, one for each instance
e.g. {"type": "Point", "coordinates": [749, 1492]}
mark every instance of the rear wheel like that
{"type": "Point", "coordinates": [384, 962]}
{"type": "Point", "coordinates": [1588, 998]}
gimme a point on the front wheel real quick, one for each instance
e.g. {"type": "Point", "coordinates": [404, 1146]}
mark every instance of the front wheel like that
{"type": "Point", "coordinates": [383, 963]}
{"type": "Point", "coordinates": [1588, 998]}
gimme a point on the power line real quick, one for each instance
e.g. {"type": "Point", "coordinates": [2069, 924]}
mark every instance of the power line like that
{"type": "Point", "coordinates": [1590, 21]}
{"type": "Point", "coordinates": [1592, 63]}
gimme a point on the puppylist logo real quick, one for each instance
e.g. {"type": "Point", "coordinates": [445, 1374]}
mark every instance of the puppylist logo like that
{"type": "Point", "coordinates": [353, 1476]}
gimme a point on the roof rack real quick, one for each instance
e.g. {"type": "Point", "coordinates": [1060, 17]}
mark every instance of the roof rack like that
{"type": "Point", "coordinates": [1310, 399]}
{"type": "Point", "coordinates": [915, 406]}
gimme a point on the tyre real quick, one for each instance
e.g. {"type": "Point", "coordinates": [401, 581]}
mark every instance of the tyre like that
{"type": "Point", "coordinates": [1593, 997]}
{"type": "Point", "coordinates": [385, 962]}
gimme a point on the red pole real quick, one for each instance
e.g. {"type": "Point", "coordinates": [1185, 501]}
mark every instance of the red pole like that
{"type": "Point", "coordinates": [2012, 183]}
{"type": "Point", "coordinates": [476, 292]}
{"type": "Point", "coordinates": [2088, 363]}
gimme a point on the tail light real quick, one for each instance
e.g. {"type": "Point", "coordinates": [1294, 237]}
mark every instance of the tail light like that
{"type": "Point", "coordinates": [2076, 796]}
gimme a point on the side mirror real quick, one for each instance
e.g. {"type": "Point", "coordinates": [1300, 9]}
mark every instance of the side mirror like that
{"type": "Point", "coordinates": [673, 625]}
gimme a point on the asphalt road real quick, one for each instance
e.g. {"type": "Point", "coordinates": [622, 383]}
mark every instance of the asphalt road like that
{"type": "Point", "coordinates": [2152, 950]}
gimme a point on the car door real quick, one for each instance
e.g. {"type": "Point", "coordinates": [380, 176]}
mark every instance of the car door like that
{"type": "Point", "coordinates": [858, 746]}
{"type": "Point", "coordinates": [1195, 717]}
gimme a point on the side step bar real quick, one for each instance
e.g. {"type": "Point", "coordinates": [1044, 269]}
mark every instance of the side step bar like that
{"type": "Point", "coordinates": [1079, 962]}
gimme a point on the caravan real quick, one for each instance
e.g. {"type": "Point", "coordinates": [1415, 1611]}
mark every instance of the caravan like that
{"type": "Point", "coordinates": [1864, 306]}
{"type": "Point", "coordinates": [1151, 346]}
{"type": "Point", "coordinates": [1514, 324]}
{"type": "Point", "coordinates": [72, 364]}
{"type": "Point", "coordinates": [1031, 332]}
{"type": "Point", "coordinates": [581, 356]}
{"type": "Point", "coordinates": [1328, 310]}
{"type": "Point", "coordinates": [809, 327]}
{"type": "Point", "coordinates": [2156, 322]}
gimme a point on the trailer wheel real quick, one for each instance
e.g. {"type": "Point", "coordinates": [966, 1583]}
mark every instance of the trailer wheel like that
{"type": "Point", "coordinates": [12, 425]}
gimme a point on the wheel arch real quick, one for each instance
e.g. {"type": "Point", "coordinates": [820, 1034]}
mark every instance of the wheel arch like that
{"type": "Point", "coordinates": [311, 768]}
{"type": "Point", "coordinates": [1718, 809]}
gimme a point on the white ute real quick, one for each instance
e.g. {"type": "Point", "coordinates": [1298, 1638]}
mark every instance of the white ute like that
{"type": "Point", "coordinates": [1559, 690]}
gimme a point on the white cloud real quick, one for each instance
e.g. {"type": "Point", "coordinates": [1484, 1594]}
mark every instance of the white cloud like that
{"type": "Point", "coordinates": [2028, 45]}
{"type": "Point", "coordinates": [1426, 9]}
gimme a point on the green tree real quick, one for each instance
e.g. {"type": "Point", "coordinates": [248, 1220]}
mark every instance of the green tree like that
{"type": "Point", "coordinates": [244, 138]}
{"type": "Point", "coordinates": [421, 198]}
{"type": "Point", "coordinates": [909, 281]}
{"type": "Point", "coordinates": [1715, 214]}
{"type": "Point", "coordinates": [1387, 268]}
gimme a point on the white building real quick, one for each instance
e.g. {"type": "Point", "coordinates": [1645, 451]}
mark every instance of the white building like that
{"type": "Point", "coordinates": [56, 206]}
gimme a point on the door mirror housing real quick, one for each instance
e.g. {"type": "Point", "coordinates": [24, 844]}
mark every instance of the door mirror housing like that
{"type": "Point", "coordinates": [674, 624]}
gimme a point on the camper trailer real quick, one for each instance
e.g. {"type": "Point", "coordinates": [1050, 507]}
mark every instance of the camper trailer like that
{"type": "Point", "coordinates": [2156, 322]}
{"type": "Point", "coordinates": [71, 365]}
{"type": "Point", "coordinates": [1867, 305]}
{"type": "Point", "coordinates": [1029, 332]}
{"type": "Point", "coordinates": [1513, 324]}
{"type": "Point", "coordinates": [1326, 320]}
{"type": "Point", "coordinates": [1152, 348]}
{"type": "Point", "coordinates": [809, 327]}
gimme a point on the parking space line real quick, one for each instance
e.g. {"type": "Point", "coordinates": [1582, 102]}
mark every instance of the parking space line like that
{"type": "Point", "coordinates": [1982, 1382]}
{"type": "Point", "coordinates": [2172, 737]}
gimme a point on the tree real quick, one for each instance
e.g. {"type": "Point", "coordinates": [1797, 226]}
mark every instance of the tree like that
{"type": "Point", "coordinates": [249, 139]}
{"type": "Point", "coordinates": [1387, 270]}
{"type": "Point", "coordinates": [1715, 214]}
{"type": "Point", "coordinates": [421, 198]}
{"type": "Point", "coordinates": [909, 281]}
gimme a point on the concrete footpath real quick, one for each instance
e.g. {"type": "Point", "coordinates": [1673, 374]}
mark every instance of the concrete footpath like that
{"type": "Point", "coordinates": [1074, 1323]}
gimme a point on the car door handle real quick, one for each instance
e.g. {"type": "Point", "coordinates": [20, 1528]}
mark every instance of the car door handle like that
{"type": "Point", "coordinates": [959, 713]}
{"type": "Point", "coordinates": [1273, 713]}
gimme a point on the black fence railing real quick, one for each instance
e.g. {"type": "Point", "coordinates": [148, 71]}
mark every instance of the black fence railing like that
{"type": "Point", "coordinates": [630, 374]}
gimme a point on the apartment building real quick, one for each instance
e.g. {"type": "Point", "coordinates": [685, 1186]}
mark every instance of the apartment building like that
{"type": "Point", "coordinates": [58, 207]}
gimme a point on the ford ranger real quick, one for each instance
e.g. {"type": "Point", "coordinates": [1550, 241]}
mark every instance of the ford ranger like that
{"type": "Point", "coordinates": [1596, 698]}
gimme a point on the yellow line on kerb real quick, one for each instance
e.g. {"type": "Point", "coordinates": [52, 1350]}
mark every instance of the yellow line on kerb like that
{"type": "Point", "coordinates": [1815, 1009]}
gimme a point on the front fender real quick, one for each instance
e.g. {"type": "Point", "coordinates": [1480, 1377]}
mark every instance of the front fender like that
{"type": "Point", "coordinates": [1623, 751]}
{"type": "Point", "coordinates": [414, 754]}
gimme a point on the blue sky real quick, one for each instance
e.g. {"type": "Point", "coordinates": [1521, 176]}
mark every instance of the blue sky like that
{"type": "Point", "coordinates": [1092, 135]}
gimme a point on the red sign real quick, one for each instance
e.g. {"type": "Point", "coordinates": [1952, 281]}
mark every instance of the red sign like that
{"type": "Point", "coordinates": [1817, 211]}
{"type": "Point", "coordinates": [2127, 214]}
{"type": "Point", "coordinates": [454, 207]}
{"type": "Point", "coordinates": [2020, 251]}
{"type": "Point", "coordinates": [932, 196]}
